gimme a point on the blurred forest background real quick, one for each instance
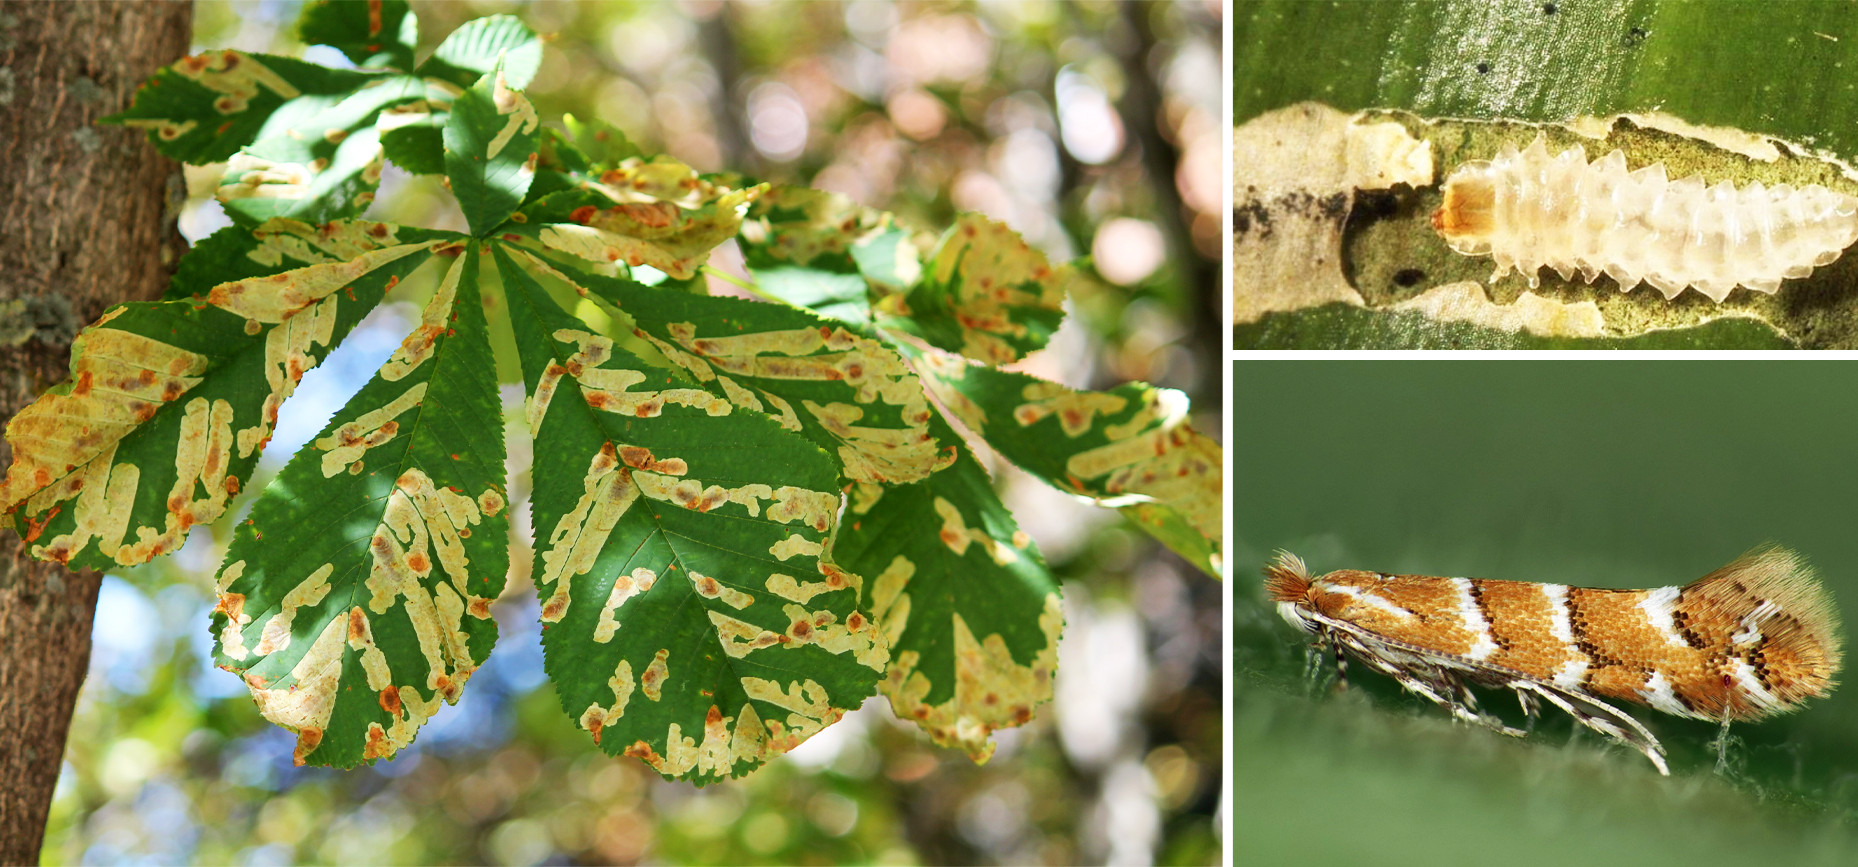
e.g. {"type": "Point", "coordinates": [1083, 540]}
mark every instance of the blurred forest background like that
{"type": "Point", "coordinates": [1088, 127]}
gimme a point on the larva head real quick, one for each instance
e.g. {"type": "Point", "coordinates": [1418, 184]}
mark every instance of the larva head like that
{"type": "Point", "coordinates": [1775, 628]}
{"type": "Point", "coordinates": [1466, 219]}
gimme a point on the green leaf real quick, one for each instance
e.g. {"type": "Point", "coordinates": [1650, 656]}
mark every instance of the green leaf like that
{"type": "Point", "coordinates": [971, 613]}
{"type": "Point", "coordinates": [170, 401]}
{"type": "Point", "coordinates": [1773, 68]}
{"type": "Point", "coordinates": [1130, 446]}
{"type": "Point", "coordinates": [984, 293]}
{"type": "Point", "coordinates": [490, 151]}
{"type": "Point", "coordinates": [848, 393]}
{"type": "Point", "coordinates": [658, 213]}
{"type": "Point", "coordinates": [472, 51]}
{"type": "Point", "coordinates": [374, 34]}
{"type": "Point", "coordinates": [357, 596]}
{"type": "Point", "coordinates": [413, 133]}
{"type": "Point", "coordinates": [816, 249]}
{"type": "Point", "coordinates": [691, 614]}
{"type": "Point", "coordinates": [206, 107]}
{"type": "Point", "coordinates": [322, 167]}
{"type": "Point", "coordinates": [568, 162]}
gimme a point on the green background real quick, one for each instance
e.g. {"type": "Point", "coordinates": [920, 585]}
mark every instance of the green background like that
{"type": "Point", "coordinates": [1609, 474]}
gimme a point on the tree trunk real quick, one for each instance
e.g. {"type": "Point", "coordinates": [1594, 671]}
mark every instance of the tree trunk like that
{"type": "Point", "coordinates": [85, 223]}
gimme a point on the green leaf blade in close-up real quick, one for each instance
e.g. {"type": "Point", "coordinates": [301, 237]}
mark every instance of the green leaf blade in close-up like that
{"type": "Point", "coordinates": [490, 140]}
{"type": "Point", "coordinates": [1766, 68]}
{"type": "Point", "coordinates": [824, 252]}
{"type": "Point", "coordinates": [656, 212]}
{"type": "Point", "coordinates": [355, 600]}
{"type": "Point", "coordinates": [381, 33]}
{"type": "Point", "coordinates": [475, 49]}
{"type": "Point", "coordinates": [171, 402]}
{"type": "Point", "coordinates": [692, 614]}
{"type": "Point", "coordinates": [971, 612]}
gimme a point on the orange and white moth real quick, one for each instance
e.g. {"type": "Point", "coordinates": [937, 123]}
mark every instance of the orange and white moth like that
{"type": "Point", "coordinates": [1755, 638]}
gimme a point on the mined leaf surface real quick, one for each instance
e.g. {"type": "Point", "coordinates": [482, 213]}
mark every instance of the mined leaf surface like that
{"type": "Point", "coordinates": [984, 293]}
{"type": "Point", "coordinates": [473, 50]}
{"type": "Point", "coordinates": [490, 150]}
{"type": "Point", "coordinates": [848, 393]}
{"type": "Point", "coordinates": [962, 596]}
{"type": "Point", "coordinates": [357, 596]}
{"type": "Point", "coordinates": [691, 614]}
{"type": "Point", "coordinates": [658, 213]}
{"type": "Point", "coordinates": [205, 107]}
{"type": "Point", "coordinates": [170, 401]}
{"type": "Point", "coordinates": [372, 34]}
{"type": "Point", "coordinates": [320, 167]}
{"type": "Point", "coordinates": [816, 250]}
{"type": "Point", "coordinates": [569, 162]}
{"type": "Point", "coordinates": [1130, 441]}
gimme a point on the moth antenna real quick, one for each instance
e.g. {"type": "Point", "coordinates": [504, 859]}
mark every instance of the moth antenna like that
{"type": "Point", "coordinates": [1774, 620]}
{"type": "Point", "coordinates": [1287, 579]}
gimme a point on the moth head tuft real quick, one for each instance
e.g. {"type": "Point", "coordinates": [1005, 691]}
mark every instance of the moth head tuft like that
{"type": "Point", "coordinates": [1287, 579]}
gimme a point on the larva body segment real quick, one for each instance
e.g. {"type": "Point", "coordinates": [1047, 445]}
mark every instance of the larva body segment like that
{"type": "Point", "coordinates": [1526, 210]}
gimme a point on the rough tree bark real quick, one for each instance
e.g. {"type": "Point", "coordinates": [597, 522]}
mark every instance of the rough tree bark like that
{"type": "Point", "coordinates": [85, 223]}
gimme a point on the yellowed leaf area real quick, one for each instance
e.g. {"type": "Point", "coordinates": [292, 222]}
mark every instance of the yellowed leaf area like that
{"type": "Point", "coordinates": [234, 75]}
{"type": "Point", "coordinates": [422, 526]}
{"type": "Point", "coordinates": [519, 117]}
{"type": "Point", "coordinates": [873, 372]}
{"type": "Point", "coordinates": [617, 478]}
{"type": "Point", "coordinates": [64, 445]}
{"type": "Point", "coordinates": [829, 223]}
{"type": "Point", "coordinates": [993, 276]}
{"type": "Point", "coordinates": [992, 690]}
{"type": "Point", "coordinates": [664, 216]}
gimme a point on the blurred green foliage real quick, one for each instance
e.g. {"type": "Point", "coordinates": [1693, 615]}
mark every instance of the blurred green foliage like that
{"type": "Point", "coordinates": [921, 109]}
{"type": "Point", "coordinates": [1603, 474]}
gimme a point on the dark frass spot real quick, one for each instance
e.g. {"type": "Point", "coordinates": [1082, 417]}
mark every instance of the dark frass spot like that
{"type": "Point", "coordinates": [1406, 278]}
{"type": "Point", "coordinates": [1483, 69]}
{"type": "Point", "coordinates": [1548, 9]}
{"type": "Point", "coordinates": [1636, 35]}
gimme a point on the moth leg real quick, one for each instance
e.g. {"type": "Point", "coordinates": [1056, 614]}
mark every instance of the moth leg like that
{"type": "Point", "coordinates": [1723, 744]}
{"type": "Point", "coordinates": [1341, 666]}
{"type": "Point", "coordinates": [1532, 708]}
{"type": "Point", "coordinates": [1607, 720]}
{"type": "Point", "coordinates": [1444, 690]}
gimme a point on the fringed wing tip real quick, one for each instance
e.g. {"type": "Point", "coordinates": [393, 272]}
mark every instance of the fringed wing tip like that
{"type": "Point", "coordinates": [1801, 640]}
{"type": "Point", "coordinates": [1287, 579]}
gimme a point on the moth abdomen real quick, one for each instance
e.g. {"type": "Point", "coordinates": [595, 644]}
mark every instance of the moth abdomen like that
{"type": "Point", "coordinates": [1527, 210]}
{"type": "Point", "coordinates": [1755, 638]}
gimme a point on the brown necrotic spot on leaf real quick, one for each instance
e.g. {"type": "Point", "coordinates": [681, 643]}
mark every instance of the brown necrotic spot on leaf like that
{"type": "Point", "coordinates": [652, 681]}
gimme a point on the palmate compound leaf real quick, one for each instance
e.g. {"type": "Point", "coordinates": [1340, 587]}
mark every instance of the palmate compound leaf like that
{"type": "Point", "coordinates": [817, 250]}
{"type": "Point", "coordinates": [1130, 447]}
{"type": "Point", "coordinates": [372, 34]}
{"type": "Point", "coordinates": [964, 599]}
{"type": "Point", "coordinates": [170, 401]}
{"type": "Point", "coordinates": [850, 394]}
{"type": "Point", "coordinates": [691, 614]}
{"type": "Point", "coordinates": [659, 213]}
{"type": "Point", "coordinates": [490, 150]}
{"type": "Point", "coordinates": [205, 107]}
{"type": "Point", "coordinates": [984, 293]}
{"type": "Point", "coordinates": [356, 597]}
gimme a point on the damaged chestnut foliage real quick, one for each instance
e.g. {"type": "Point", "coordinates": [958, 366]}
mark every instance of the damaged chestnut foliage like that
{"type": "Point", "coordinates": [749, 516]}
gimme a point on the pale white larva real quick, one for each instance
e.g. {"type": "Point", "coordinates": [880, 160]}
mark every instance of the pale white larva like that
{"type": "Point", "coordinates": [1527, 210]}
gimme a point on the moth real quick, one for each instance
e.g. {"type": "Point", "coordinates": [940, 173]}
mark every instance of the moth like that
{"type": "Point", "coordinates": [1527, 210]}
{"type": "Point", "coordinates": [1756, 638]}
